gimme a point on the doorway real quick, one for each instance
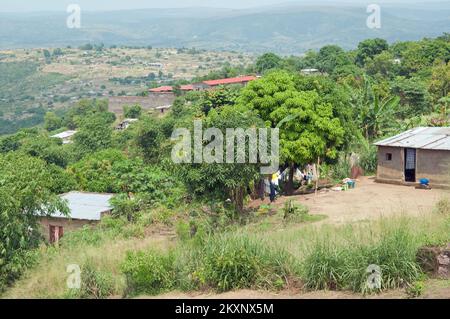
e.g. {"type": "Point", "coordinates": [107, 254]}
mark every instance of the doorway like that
{"type": "Point", "coordinates": [410, 165]}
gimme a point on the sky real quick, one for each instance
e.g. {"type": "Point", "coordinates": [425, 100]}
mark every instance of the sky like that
{"type": "Point", "coordinates": [107, 5]}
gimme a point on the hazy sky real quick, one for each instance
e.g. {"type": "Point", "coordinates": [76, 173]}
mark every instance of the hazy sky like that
{"type": "Point", "coordinates": [105, 5]}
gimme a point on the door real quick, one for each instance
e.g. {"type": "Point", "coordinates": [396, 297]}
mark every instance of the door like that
{"type": "Point", "coordinates": [410, 165]}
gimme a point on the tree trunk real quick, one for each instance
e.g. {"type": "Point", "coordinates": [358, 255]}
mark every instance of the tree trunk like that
{"type": "Point", "coordinates": [290, 183]}
{"type": "Point", "coordinates": [238, 199]}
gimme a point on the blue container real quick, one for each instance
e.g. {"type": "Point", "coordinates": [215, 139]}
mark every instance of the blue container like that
{"type": "Point", "coordinates": [424, 181]}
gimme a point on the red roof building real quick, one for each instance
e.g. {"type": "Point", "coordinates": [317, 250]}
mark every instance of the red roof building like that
{"type": "Point", "coordinates": [205, 84]}
{"type": "Point", "coordinates": [238, 80]}
{"type": "Point", "coordinates": [162, 89]}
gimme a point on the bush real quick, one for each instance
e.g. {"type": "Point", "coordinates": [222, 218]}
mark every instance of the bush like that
{"type": "Point", "coordinates": [295, 212]}
{"type": "Point", "coordinates": [369, 159]}
{"type": "Point", "coordinates": [416, 289]}
{"type": "Point", "coordinates": [149, 272]}
{"type": "Point", "coordinates": [95, 284]}
{"type": "Point", "coordinates": [341, 169]}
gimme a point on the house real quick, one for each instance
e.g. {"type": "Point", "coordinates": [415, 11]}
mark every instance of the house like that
{"type": "Point", "coordinates": [148, 103]}
{"type": "Point", "coordinates": [123, 125]}
{"type": "Point", "coordinates": [162, 109]}
{"type": "Point", "coordinates": [66, 136]}
{"type": "Point", "coordinates": [85, 209]}
{"type": "Point", "coordinates": [242, 80]}
{"type": "Point", "coordinates": [419, 153]}
{"type": "Point", "coordinates": [171, 89]}
{"type": "Point", "coordinates": [309, 71]}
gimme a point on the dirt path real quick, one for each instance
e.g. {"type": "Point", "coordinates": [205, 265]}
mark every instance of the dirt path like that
{"type": "Point", "coordinates": [434, 289]}
{"type": "Point", "coordinates": [369, 200]}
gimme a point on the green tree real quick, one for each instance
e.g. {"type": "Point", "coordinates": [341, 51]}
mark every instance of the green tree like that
{"type": "Point", "coordinates": [223, 180]}
{"type": "Point", "coordinates": [94, 134]}
{"type": "Point", "coordinates": [308, 128]}
{"type": "Point", "coordinates": [52, 121]}
{"type": "Point", "coordinates": [382, 64]}
{"type": "Point", "coordinates": [440, 81]}
{"type": "Point", "coordinates": [375, 115]}
{"type": "Point", "coordinates": [132, 112]}
{"type": "Point", "coordinates": [25, 193]}
{"type": "Point", "coordinates": [268, 61]}
{"type": "Point", "coordinates": [370, 48]}
{"type": "Point", "coordinates": [331, 57]}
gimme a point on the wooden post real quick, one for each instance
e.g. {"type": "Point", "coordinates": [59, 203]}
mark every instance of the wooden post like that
{"type": "Point", "coordinates": [317, 174]}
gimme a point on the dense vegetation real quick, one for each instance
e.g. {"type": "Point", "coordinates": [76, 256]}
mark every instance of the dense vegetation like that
{"type": "Point", "coordinates": [357, 97]}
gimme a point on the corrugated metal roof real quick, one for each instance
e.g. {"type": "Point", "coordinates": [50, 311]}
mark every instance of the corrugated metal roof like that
{"type": "Point", "coordinates": [86, 206]}
{"type": "Point", "coordinates": [428, 138]}
{"type": "Point", "coordinates": [65, 134]}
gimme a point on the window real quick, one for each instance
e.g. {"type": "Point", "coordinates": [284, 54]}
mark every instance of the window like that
{"type": "Point", "coordinates": [388, 156]}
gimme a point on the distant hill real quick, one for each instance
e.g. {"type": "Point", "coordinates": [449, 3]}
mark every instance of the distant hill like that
{"type": "Point", "coordinates": [283, 29]}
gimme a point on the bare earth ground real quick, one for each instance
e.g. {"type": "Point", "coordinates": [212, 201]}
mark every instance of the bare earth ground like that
{"type": "Point", "coordinates": [369, 200]}
{"type": "Point", "coordinates": [435, 289]}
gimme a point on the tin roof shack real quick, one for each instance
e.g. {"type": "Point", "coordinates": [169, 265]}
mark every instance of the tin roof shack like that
{"type": "Point", "coordinates": [423, 152]}
{"type": "Point", "coordinates": [85, 209]}
{"type": "Point", "coordinates": [65, 136]}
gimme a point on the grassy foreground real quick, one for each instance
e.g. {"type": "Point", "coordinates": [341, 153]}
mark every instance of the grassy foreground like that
{"type": "Point", "coordinates": [311, 256]}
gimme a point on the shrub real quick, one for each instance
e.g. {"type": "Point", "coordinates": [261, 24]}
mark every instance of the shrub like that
{"type": "Point", "coordinates": [296, 212]}
{"type": "Point", "coordinates": [341, 169]}
{"type": "Point", "coordinates": [368, 159]}
{"type": "Point", "coordinates": [416, 289]}
{"type": "Point", "coordinates": [149, 272]}
{"type": "Point", "coordinates": [95, 284]}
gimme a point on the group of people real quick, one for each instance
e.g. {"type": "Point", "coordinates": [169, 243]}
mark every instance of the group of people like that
{"type": "Point", "coordinates": [271, 184]}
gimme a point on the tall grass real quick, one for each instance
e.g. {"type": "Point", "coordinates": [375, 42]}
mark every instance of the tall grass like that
{"type": "Point", "coordinates": [338, 257]}
{"type": "Point", "coordinates": [220, 262]}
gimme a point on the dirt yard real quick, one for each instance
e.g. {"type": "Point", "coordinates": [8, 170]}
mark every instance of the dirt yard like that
{"type": "Point", "coordinates": [369, 200]}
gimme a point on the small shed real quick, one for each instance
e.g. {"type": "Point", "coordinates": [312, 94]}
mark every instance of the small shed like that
{"type": "Point", "coordinates": [85, 209]}
{"type": "Point", "coordinates": [422, 152]}
{"type": "Point", "coordinates": [65, 136]}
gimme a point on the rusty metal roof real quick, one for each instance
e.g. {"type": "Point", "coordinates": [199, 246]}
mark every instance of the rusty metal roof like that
{"type": "Point", "coordinates": [428, 138]}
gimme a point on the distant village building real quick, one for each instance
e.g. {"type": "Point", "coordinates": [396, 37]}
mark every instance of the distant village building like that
{"type": "Point", "coordinates": [420, 153]}
{"type": "Point", "coordinates": [155, 64]}
{"type": "Point", "coordinates": [148, 103]}
{"type": "Point", "coordinates": [65, 136]}
{"type": "Point", "coordinates": [164, 108]}
{"type": "Point", "coordinates": [85, 209]}
{"type": "Point", "coordinates": [162, 98]}
{"type": "Point", "coordinates": [242, 80]}
{"type": "Point", "coordinates": [123, 125]}
{"type": "Point", "coordinates": [205, 85]}
{"type": "Point", "coordinates": [309, 71]}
